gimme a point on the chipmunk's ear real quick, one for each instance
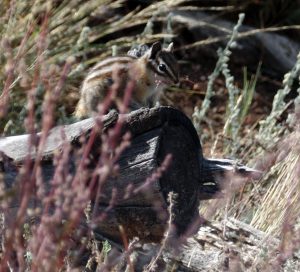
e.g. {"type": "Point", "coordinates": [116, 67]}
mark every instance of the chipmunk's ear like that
{"type": "Point", "coordinates": [155, 48]}
{"type": "Point", "coordinates": [170, 47]}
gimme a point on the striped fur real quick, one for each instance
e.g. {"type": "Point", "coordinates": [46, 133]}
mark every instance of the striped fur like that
{"type": "Point", "coordinates": [154, 66]}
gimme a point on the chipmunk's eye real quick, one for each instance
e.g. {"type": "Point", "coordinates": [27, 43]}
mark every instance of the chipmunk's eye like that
{"type": "Point", "coordinates": [162, 67]}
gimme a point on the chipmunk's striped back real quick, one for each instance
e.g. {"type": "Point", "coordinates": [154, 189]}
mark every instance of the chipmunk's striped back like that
{"type": "Point", "coordinates": [149, 72]}
{"type": "Point", "coordinates": [105, 67]}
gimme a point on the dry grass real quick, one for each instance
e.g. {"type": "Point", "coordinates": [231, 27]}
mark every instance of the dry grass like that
{"type": "Point", "coordinates": [280, 204]}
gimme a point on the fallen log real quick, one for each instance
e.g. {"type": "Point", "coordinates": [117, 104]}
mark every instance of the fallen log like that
{"type": "Point", "coordinates": [142, 212]}
{"type": "Point", "coordinates": [252, 46]}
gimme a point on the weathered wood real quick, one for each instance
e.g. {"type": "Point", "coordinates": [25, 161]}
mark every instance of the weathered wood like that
{"type": "Point", "coordinates": [156, 133]}
{"type": "Point", "coordinates": [211, 250]}
{"type": "Point", "coordinates": [230, 245]}
{"type": "Point", "coordinates": [16, 147]}
{"type": "Point", "coordinates": [147, 151]}
{"type": "Point", "coordinates": [242, 248]}
{"type": "Point", "coordinates": [192, 26]}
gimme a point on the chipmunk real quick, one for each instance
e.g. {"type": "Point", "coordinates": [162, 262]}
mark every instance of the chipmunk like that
{"type": "Point", "coordinates": [150, 70]}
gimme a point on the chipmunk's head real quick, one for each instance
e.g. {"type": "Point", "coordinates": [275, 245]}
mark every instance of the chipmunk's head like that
{"type": "Point", "coordinates": [163, 62]}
